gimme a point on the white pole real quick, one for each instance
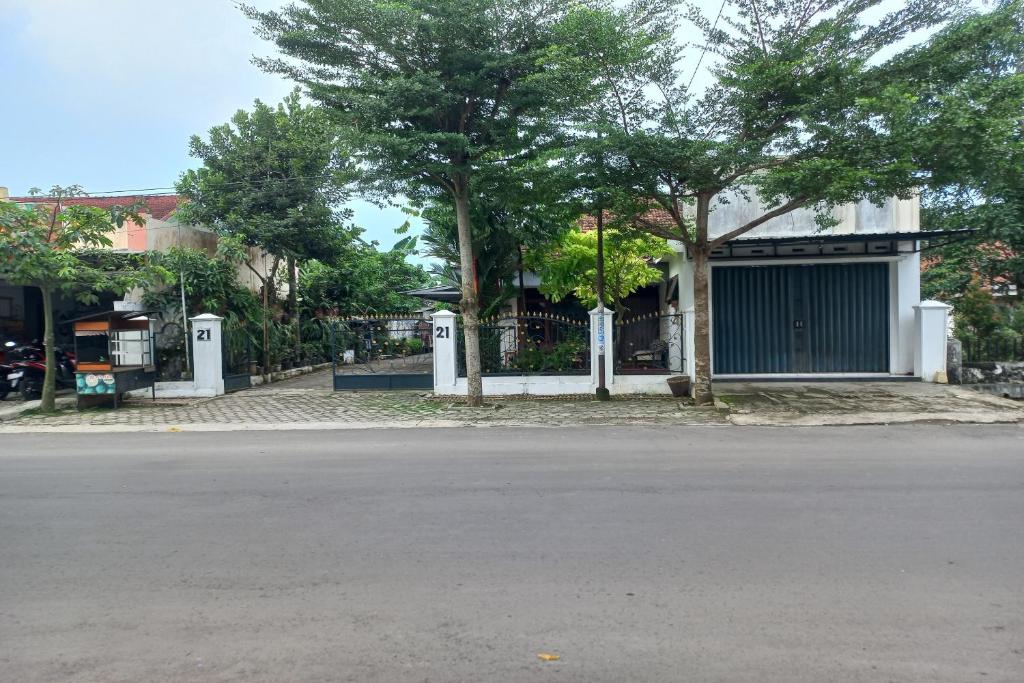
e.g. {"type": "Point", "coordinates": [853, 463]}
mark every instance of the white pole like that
{"type": "Point", "coordinates": [184, 322]}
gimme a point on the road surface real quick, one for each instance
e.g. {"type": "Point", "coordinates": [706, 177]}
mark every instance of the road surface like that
{"type": "Point", "coordinates": [653, 554]}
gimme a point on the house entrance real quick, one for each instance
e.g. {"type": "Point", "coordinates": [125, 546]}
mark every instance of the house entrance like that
{"type": "Point", "coordinates": [382, 352]}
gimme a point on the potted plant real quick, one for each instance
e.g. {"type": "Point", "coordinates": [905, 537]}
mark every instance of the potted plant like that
{"type": "Point", "coordinates": [679, 385]}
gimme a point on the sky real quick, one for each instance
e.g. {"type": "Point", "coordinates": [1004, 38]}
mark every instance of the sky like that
{"type": "Point", "coordinates": [106, 93]}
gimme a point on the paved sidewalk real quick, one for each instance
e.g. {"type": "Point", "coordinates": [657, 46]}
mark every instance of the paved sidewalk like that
{"type": "Point", "coordinates": [850, 403]}
{"type": "Point", "coordinates": [306, 403]}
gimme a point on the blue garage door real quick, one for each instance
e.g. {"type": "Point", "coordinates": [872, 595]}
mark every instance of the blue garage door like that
{"type": "Point", "coordinates": [801, 319]}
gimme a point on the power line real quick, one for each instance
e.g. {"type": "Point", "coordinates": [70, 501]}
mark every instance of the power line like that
{"type": "Point", "coordinates": [705, 50]}
{"type": "Point", "coordinates": [167, 191]}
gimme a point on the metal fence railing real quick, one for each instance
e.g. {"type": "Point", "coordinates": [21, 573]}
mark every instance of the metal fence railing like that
{"type": "Point", "coordinates": [382, 343]}
{"type": "Point", "coordinates": [993, 350]}
{"type": "Point", "coordinates": [173, 352]}
{"type": "Point", "coordinates": [531, 344]}
{"type": "Point", "coordinates": [650, 344]}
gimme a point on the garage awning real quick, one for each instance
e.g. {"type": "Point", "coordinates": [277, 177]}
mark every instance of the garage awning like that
{"type": "Point", "coordinates": [446, 294]}
{"type": "Point", "coordinates": [852, 244]}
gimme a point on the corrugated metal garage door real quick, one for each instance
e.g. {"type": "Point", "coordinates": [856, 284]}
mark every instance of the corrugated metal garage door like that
{"type": "Point", "coordinates": [800, 319]}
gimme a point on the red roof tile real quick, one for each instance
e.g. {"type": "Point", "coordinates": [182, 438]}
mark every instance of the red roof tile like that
{"type": "Point", "coordinates": [658, 216]}
{"type": "Point", "coordinates": [158, 206]}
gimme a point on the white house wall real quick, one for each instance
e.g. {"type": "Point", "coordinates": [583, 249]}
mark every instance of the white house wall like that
{"type": "Point", "coordinates": [907, 297]}
{"type": "Point", "coordinates": [894, 215]}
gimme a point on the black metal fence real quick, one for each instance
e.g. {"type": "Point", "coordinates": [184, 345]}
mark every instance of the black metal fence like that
{"type": "Point", "coordinates": [237, 348]}
{"type": "Point", "coordinates": [650, 344]}
{"type": "Point", "coordinates": [993, 350]}
{"type": "Point", "coordinates": [173, 353]}
{"type": "Point", "coordinates": [532, 344]}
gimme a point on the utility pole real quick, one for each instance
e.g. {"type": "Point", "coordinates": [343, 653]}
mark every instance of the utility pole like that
{"type": "Point", "coordinates": [602, 392]}
{"type": "Point", "coordinates": [184, 311]}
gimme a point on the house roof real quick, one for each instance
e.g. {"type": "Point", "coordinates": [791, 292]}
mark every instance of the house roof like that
{"type": "Point", "coordinates": [159, 206]}
{"type": "Point", "coordinates": [588, 222]}
{"type": "Point", "coordinates": [903, 236]}
{"type": "Point", "coordinates": [443, 293]}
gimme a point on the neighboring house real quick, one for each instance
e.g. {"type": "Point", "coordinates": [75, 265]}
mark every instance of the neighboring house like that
{"type": "Point", "coordinates": [21, 307]}
{"type": "Point", "coordinates": [786, 299]}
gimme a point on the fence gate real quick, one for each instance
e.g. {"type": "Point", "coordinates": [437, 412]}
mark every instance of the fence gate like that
{"type": "Point", "coordinates": [237, 355]}
{"type": "Point", "coordinates": [382, 352]}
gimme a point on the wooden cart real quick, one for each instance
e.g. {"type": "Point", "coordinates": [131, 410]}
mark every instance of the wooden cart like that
{"type": "Point", "coordinates": [115, 354]}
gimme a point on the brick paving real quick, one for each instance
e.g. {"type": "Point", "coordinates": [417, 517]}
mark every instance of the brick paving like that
{"type": "Point", "coordinates": [822, 403]}
{"type": "Point", "coordinates": [308, 400]}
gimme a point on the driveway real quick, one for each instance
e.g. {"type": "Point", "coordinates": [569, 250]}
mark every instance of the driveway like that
{"type": "Point", "coordinates": [634, 554]}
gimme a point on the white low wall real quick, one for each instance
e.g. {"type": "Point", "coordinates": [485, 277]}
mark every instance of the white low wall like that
{"type": "Point", "coordinates": [640, 384]}
{"type": "Point", "coordinates": [174, 390]}
{"type": "Point", "coordinates": [526, 385]}
{"type": "Point", "coordinates": [561, 385]}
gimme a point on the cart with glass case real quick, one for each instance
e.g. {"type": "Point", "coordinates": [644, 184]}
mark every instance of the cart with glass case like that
{"type": "Point", "coordinates": [115, 354]}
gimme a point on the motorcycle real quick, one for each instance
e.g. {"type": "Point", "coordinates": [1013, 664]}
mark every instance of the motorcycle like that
{"type": "Point", "coordinates": [5, 369]}
{"type": "Point", "coordinates": [28, 370]}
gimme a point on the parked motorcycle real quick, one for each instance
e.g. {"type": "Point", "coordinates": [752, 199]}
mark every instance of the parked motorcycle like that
{"type": "Point", "coordinates": [5, 369]}
{"type": "Point", "coordinates": [28, 370]}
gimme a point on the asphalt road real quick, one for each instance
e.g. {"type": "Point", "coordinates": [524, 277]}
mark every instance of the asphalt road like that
{"type": "Point", "coordinates": [670, 554]}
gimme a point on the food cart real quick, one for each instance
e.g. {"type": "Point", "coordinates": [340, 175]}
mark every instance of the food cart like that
{"type": "Point", "coordinates": [114, 352]}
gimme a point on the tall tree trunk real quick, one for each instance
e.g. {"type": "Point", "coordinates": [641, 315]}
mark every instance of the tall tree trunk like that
{"type": "Point", "coordinates": [293, 308]}
{"type": "Point", "coordinates": [470, 302]}
{"type": "Point", "coordinates": [702, 394]}
{"type": "Point", "coordinates": [49, 403]}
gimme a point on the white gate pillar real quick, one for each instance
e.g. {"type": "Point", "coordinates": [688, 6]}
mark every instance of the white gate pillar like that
{"type": "Point", "coordinates": [602, 338]}
{"type": "Point", "coordinates": [931, 331]}
{"type": "Point", "coordinates": [689, 348]}
{"type": "Point", "coordinates": [207, 354]}
{"type": "Point", "coordinates": [444, 333]}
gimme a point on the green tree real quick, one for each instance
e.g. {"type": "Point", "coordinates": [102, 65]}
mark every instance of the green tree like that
{"type": "Point", "coordinates": [430, 94]}
{"type": "Point", "coordinates": [569, 266]}
{"type": "Point", "coordinates": [47, 246]}
{"type": "Point", "coordinates": [965, 124]}
{"type": "Point", "coordinates": [976, 315]}
{"type": "Point", "coordinates": [362, 280]}
{"type": "Point", "coordinates": [272, 178]}
{"type": "Point", "coordinates": [505, 221]}
{"type": "Point", "coordinates": [789, 118]}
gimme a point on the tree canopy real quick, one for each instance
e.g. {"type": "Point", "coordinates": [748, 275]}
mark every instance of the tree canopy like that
{"type": "Point", "coordinates": [362, 280]}
{"type": "Point", "coordinates": [569, 265]}
{"type": "Point", "coordinates": [966, 128]}
{"type": "Point", "coordinates": [273, 177]}
{"type": "Point", "coordinates": [788, 119]}
{"type": "Point", "coordinates": [49, 245]}
{"type": "Point", "coordinates": [431, 95]}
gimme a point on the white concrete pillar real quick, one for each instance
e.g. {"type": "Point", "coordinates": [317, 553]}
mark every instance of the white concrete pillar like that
{"type": "Point", "coordinates": [932, 320]}
{"type": "Point", "coordinates": [689, 348]}
{"type": "Point", "coordinates": [904, 300]}
{"type": "Point", "coordinates": [445, 337]}
{"type": "Point", "coordinates": [602, 340]}
{"type": "Point", "coordinates": [207, 354]}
